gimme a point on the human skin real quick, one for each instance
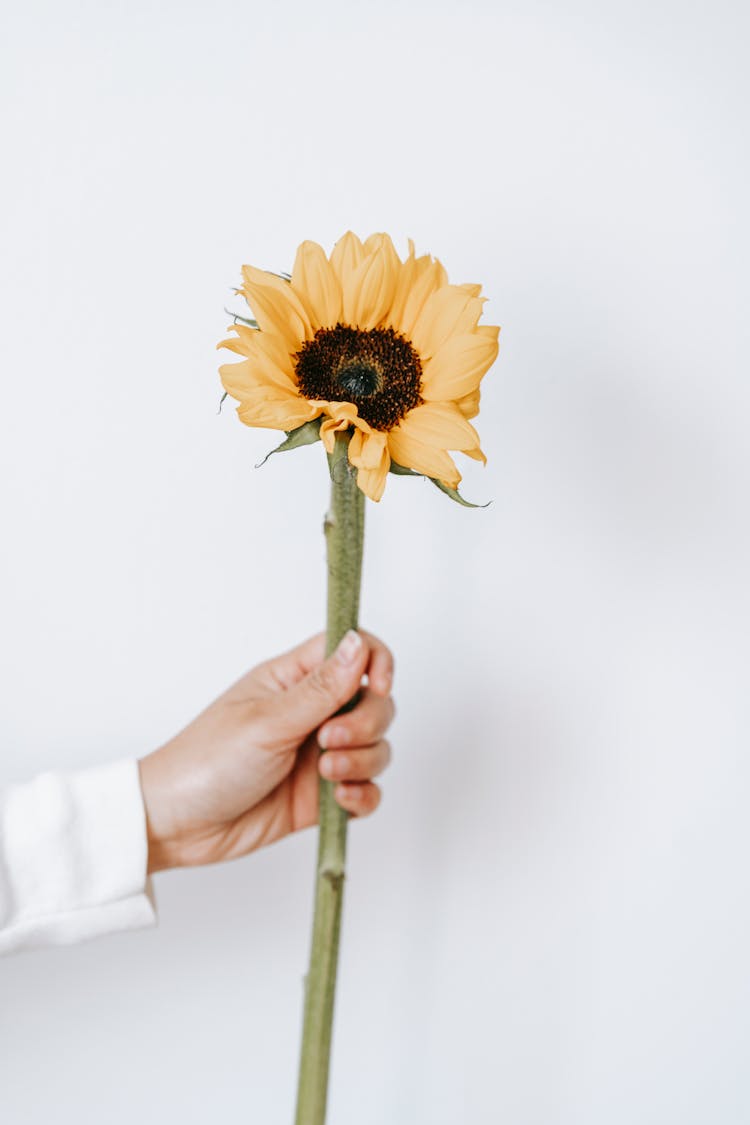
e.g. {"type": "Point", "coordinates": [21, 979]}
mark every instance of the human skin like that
{"type": "Point", "coordinates": [244, 773]}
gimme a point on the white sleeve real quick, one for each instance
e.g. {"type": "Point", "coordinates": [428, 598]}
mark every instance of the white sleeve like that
{"type": "Point", "coordinates": [73, 857]}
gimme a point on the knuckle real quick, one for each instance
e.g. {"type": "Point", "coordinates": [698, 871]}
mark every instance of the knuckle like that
{"type": "Point", "coordinates": [370, 728]}
{"type": "Point", "coordinates": [323, 681]}
{"type": "Point", "coordinates": [373, 798]}
{"type": "Point", "coordinates": [387, 712]}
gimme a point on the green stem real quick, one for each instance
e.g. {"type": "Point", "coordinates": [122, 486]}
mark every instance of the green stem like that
{"type": "Point", "coordinates": [344, 531]}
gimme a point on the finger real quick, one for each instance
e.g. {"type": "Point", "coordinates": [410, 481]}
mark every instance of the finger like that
{"type": "Point", "coordinates": [355, 765]}
{"type": "Point", "coordinates": [292, 666]}
{"type": "Point", "coordinates": [324, 690]}
{"type": "Point", "coordinates": [362, 726]}
{"type": "Point", "coordinates": [359, 799]}
{"type": "Point", "coordinates": [381, 666]}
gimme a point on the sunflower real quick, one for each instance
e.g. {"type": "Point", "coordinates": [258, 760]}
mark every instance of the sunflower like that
{"type": "Point", "coordinates": [365, 342]}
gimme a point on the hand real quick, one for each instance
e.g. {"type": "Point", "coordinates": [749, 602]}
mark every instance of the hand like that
{"type": "Point", "coordinates": [244, 773]}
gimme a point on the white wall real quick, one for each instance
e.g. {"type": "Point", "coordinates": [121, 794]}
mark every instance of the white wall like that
{"type": "Point", "coordinates": [547, 923]}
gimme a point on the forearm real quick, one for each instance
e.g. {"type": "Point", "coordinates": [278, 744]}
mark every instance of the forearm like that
{"type": "Point", "coordinates": [73, 857]}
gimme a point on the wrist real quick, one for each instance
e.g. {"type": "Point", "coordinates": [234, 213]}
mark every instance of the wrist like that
{"type": "Point", "coordinates": [163, 847]}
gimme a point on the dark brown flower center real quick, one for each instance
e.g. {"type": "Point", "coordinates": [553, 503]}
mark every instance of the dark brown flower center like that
{"type": "Point", "coordinates": [378, 370]}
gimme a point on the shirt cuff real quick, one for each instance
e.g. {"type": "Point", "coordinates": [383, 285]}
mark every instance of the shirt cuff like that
{"type": "Point", "coordinates": [73, 857]}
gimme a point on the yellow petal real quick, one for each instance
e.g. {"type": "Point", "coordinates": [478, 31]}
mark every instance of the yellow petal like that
{"type": "Point", "coordinates": [237, 378]}
{"type": "Point", "coordinates": [410, 268]}
{"type": "Point", "coordinates": [346, 256]}
{"type": "Point", "coordinates": [384, 242]}
{"type": "Point", "coordinates": [475, 454]}
{"type": "Point", "coordinates": [266, 346]}
{"type": "Point", "coordinates": [422, 458]}
{"type": "Point", "coordinates": [267, 365]}
{"type": "Point", "coordinates": [328, 430]}
{"type": "Point", "coordinates": [369, 453]}
{"type": "Point", "coordinates": [234, 344]}
{"type": "Point", "coordinates": [449, 311]}
{"type": "Point", "coordinates": [366, 448]}
{"type": "Point", "coordinates": [441, 425]}
{"type": "Point", "coordinates": [243, 379]}
{"type": "Point", "coordinates": [472, 290]}
{"type": "Point", "coordinates": [277, 412]}
{"type": "Point", "coordinates": [428, 276]}
{"type": "Point", "coordinates": [245, 341]}
{"type": "Point", "coordinates": [276, 306]}
{"type": "Point", "coordinates": [341, 415]}
{"type": "Point", "coordinates": [411, 271]}
{"type": "Point", "coordinates": [368, 294]}
{"type": "Point", "coordinates": [372, 481]}
{"type": "Point", "coordinates": [347, 411]}
{"type": "Point", "coordinates": [316, 285]}
{"type": "Point", "coordinates": [379, 241]}
{"type": "Point", "coordinates": [457, 368]}
{"type": "Point", "coordinates": [469, 404]}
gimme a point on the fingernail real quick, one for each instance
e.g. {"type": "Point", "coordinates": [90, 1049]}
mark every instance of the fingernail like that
{"type": "Point", "coordinates": [349, 648]}
{"type": "Point", "coordinates": [333, 736]}
{"type": "Point", "coordinates": [327, 765]}
{"type": "Point", "coordinates": [348, 793]}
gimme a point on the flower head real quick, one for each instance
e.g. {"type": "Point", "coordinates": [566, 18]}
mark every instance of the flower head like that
{"type": "Point", "coordinates": [365, 342]}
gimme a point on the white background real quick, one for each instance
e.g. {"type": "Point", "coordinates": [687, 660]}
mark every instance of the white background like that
{"type": "Point", "coordinates": [547, 923]}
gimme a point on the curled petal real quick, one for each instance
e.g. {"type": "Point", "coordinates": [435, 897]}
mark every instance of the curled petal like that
{"type": "Point", "coordinates": [369, 454]}
{"type": "Point", "coordinates": [340, 416]}
{"type": "Point", "coordinates": [469, 404]}
{"type": "Point", "coordinates": [366, 449]}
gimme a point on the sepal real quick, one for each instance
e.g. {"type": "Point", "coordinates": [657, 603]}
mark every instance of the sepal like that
{"type": "Point", "coordinates": [453, 493]}
{"type": "Point", "coordinates": [306, 434]}
{"type": "Point", "coordinates": [241, 320]}
{"type": "Point", "coordinates": [456, 495]}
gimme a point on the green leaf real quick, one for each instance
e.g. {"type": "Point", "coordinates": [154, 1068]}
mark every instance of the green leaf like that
{"type": "Point", "coordinates": [456, 495]}
{"type": "Point", "coordinates": [306, 434]}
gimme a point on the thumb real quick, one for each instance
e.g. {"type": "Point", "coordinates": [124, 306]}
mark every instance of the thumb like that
{"type": "Point", "coordinates": [326, 689]}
